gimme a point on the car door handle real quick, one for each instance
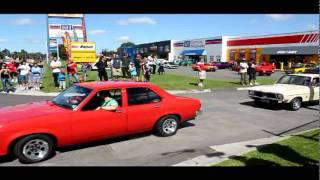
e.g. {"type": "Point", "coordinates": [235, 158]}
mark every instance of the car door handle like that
{"type": "Point", "coordinates": [156, 106]}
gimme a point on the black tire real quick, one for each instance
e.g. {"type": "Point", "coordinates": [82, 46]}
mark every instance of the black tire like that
{"type": "Point", "coordinates": [295, 104]}
{"type": "Point", "coordinates": [159, 127]}
{"type": "Point", "coordinates": [18, 148]}
{"type": "Point", "coordinates": [269, 74]}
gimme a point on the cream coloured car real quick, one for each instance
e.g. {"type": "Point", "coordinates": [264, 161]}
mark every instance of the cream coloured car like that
{"type": "Point", "coordinates": [290, 89]}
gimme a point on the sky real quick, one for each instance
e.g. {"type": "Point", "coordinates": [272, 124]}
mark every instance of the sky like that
{"type": "Point", "coordinates": [29, 32]}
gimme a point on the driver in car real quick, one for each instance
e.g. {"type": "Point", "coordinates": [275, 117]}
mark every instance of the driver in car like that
{"type": "Point", "coordinates": [109, 103]}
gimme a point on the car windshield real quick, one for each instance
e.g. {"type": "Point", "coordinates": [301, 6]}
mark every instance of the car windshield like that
{"type": "Point", "coordinates": [72, 97]}
{"type": "Point", "coordinates": [295, 80]}
{"type": "Point", "coordinates": [298, 65]}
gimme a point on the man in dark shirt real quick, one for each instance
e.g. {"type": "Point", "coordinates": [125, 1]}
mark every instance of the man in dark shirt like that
{"type": "Point", "coordinates": [125, 66]}
{"type": "Point", "coordinates": [137, 63]}
{"type": "Point", "coordinates": [101, 65]}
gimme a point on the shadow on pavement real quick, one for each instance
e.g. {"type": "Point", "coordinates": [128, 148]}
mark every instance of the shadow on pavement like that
{"type": "Point", "coordinates": [194, 84]}
{"type": "Point", "coordinates": [7, 158]}
{"type": "Point", "coordinates": [273, 107]}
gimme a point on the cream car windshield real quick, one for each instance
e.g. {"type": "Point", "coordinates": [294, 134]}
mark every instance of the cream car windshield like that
{"type": "Point", "coordinates": [295, 80]}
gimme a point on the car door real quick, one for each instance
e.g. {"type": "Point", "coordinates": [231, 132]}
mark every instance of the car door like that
{"type": "Point", "coordinates": [91, 124]}
{"type": "Point", "coordinates": [144, 108]}
{"type": "Point", "coordinates": [315, 86]}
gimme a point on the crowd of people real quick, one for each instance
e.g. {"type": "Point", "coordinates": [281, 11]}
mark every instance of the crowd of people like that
{"type": "Point", "coordinates": [27, 74]}
{"type": "Point", "coordinates": [137, 69]}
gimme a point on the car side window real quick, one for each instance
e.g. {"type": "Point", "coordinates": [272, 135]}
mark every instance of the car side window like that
{"type": "Point", "coordinates": [315, 82]}
{"type": "Point", "coordinates": [97, 100]}
{"type": "Point", "coordinates": [138, 96]}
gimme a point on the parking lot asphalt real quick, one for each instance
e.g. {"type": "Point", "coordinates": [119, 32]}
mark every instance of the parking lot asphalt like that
{"type": "Point", "coordinates": [219, 74]}
{"type": "Point", "coordinates": [228, 116]}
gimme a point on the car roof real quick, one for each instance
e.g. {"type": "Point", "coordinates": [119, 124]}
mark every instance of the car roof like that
{"type": "Point", "coordinates": [114, 84]}
{"type": "Point", "coordinates": [307, 75]}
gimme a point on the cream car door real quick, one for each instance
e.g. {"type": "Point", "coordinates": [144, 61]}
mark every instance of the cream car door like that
{"type": "Point", "coordinates": [315, 85]}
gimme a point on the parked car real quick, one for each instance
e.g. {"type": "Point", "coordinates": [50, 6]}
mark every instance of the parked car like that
{"type": "Point", "coordinates": [290, 89]}
{"type": "Point", "coordinates": [208, 67]}
{"type": "Point", "coordinates": [313, 70]}
{"type": "Point", "coordinates": [32, 131]}
{"type": "Point", "coordinates": [299, 68]}
{"type": "Point", "coordinates": [265, 68]}
{"type": "Point", "coordinates": [221, 65]}
{"type": "Point", "coordinates": [170, 65]}
{"type": "Point", "coordinates": [186, 62]}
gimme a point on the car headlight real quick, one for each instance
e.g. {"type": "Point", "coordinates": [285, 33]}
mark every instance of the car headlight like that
{"type": "Point", "coordinates": [251, 92]}
{"type": "Point", "coordinates": [279, 96]}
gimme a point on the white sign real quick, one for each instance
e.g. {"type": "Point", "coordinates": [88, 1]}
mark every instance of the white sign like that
{"type": "Point", "coordinates": [58, 30]}
{"type": "Point", "coordinates": [197, 43]}
{"type": "Point", "coordinates": [286, 52]}
{"type": "Point", "coordinates": [83, 46]}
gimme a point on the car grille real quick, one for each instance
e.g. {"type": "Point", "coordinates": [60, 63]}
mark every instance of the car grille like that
{"type": "Point", "coordinates": [262, 94]}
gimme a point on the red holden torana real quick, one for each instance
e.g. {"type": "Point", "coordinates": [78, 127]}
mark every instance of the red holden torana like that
{"type": "Point", "coordinates": [32, 131]}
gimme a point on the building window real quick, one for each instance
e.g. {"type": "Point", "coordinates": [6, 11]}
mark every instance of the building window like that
{"type": "Point", "coordinates": [161, 48]}
{"type": "Point", "coordinates": [232, 55]}
{"type": "Point", "coordinates": [211, 58]}
{"type": "Point", "coordinates": [218, 58]}
{"type": "Point", "coordinates": [253, 54]}
{"type": "Point", "coordinates": [145, 50]}
{"type": "Point", "coordinates": [167, 49]}
{"type": "Point", "coordinates": [242, 54]}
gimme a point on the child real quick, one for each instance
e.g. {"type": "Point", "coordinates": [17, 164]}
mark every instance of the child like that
{"type": "Point", "coordinates": [62, 79]}
{"type": "Point", "coordinates": [133, 71]}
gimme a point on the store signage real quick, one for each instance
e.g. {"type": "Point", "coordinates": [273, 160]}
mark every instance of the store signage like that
{"type": "Point", "coordinates": [66, 27]}
{"type": "Point", "coordinates": [66, 15]}
{"type": "Point", "coordinates": [57, 30]}
{"type": "Point", "coordinates": [287, 52]}
{"type": "Point", "coordinates": [83, 51]}
{"type": "Point", "coordinates": [186, 43]}
{"type": "Point", "coordinates": [197, 43]}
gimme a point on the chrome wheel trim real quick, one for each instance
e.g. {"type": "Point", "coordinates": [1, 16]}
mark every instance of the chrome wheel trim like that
{"type": "Point", "coordinates": [296, 104]}
{"type": "Point", "coordinates": [169, 126]}
{"type": "Point", "coordinates": [35, 149]}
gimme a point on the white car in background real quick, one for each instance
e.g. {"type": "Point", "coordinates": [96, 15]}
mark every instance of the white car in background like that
{"type": "Point", "coordinates": [293, 90]}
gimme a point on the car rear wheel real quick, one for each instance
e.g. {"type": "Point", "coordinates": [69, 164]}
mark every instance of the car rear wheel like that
{"type": "Point", "coordinates": [167, 126]}
{"type": "Point", "coordinates": [295, 104]}
{"type": "Point", "coordinates": [34, 148]}
{"type": "Point", "coordinates": [258, 103]}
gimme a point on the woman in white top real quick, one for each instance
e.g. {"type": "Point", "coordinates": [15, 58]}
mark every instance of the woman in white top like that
{"type": "Point", "coordinates": [23, 76]}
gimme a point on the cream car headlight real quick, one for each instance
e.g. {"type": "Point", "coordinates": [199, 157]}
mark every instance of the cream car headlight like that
{"type": "Point", "coordinates": [251, 92]}
{"type": "Point", "coordinates": [279, 96]}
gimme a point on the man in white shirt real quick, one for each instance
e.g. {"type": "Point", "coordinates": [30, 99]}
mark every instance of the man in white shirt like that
{"type": "Point", "coordinates": [243, 72]}
{"type": "Point", "coordinates": [55, 65]}
{"type": "Point", "coordinates": [23, 76]}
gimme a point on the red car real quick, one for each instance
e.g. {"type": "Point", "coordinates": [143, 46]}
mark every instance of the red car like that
{"type": "Point", "coordinates": [32, 131]}
{"type": "Point", "coordinates": [208, 67]}
{"type": "Point", "coordinates": [265, 68]}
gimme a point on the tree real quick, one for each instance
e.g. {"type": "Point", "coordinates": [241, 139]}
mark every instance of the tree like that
{"type": "Point", "coordinates": [6, 52]}
{"type": "Point", "coordinates": [123, 46]}
{"type": "Point", "coordinates": [106, 52]}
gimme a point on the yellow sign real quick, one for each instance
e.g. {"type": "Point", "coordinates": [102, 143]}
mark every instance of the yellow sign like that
{"type": "Point", "coordinates": [66, 15]}
{"type": "Point", "coordinates": [83, 51]}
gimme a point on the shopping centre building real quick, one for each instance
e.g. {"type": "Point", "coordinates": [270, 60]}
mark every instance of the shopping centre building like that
{"type": "Point", "coordinates": [277, 48]}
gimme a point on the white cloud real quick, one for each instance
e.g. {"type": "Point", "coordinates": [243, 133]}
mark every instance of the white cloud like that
{"type": "Point", "coordinates": [279, 17]}
{"type": "Point", "coordinates": [312, 27]}
{"type": "Point", "coordinates": [34, 41]}
{"type": "Point", "coordinates": [123, 39]}
{"type": "Point", "coordinates": [23, 21]}
{"type": "Point", "coordinates": [97, 31]}
{"type": "Point", "coordinates": [137, 20]}
{"type": "Point", "coordinates": [2, 40]}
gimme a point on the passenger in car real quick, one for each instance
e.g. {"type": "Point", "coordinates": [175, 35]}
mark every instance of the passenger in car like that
{"type": "Point", "coordinates": [109, 103]}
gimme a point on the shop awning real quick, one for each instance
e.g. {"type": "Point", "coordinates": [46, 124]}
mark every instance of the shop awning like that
{"type": "Point", "coordinates": [198, 52]}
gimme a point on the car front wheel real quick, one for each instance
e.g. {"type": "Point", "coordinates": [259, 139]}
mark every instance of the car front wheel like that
{"type": "Point", "coordinates": [295, 104]}
{"type": "Point", "coordinates": [34, 148]}
{"type": "Point", "coordinates": [167, 126]}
